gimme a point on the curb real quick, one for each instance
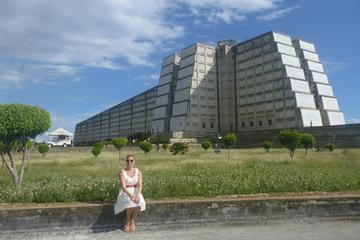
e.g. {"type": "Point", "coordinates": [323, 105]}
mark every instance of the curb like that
{"type": "Point", "coordinates": [45, 217]}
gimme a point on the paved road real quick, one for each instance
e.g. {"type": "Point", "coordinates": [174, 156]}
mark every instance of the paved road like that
{"type": "Point", "coordinates": [275, 230]}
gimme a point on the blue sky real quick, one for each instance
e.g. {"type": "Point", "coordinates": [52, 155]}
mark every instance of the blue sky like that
{"type": "Point", "coordinates": [78, 58]}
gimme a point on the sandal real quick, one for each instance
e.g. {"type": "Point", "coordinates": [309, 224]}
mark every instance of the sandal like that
{"type": "Point", "coordinates": [126, 228]}
{"type": "Point", "coordinates": [132, 227]}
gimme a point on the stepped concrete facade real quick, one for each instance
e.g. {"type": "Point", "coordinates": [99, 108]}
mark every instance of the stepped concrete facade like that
{"type": "Point", "coordinates": [267, 82]}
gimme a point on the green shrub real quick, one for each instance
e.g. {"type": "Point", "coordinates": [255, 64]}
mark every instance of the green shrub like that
{"type": "Point", "coordinates": [145, 146]}
{"type": "Point", "coordinates": [97, 148]}
{"type": "Point", "coordinates": [206, 145]}
{"type": "Point", "coordinates": [165, 146]}
{"type": "Point", "coordinates": [179, 148]}
{"type": "Point", "coordinates": [290, 139]}
{"type": "Point", "coordinates": [229, 141]}
{"type": "Point", "coordinates": [43, 149]}
{"type": "Point", "coordinates": [307, 141]}
{"type": "Point", "coordinates": [330, 147]}
{"type": "Point", "coordinates": [267, 145]}
{"type": "Point", "coordinates": [119, 143]}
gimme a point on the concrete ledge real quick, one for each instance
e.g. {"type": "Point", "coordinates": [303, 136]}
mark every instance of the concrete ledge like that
{"type": "Point", "coordinates": [44, 217]}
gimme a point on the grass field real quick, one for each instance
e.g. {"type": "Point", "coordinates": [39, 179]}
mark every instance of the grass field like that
{"type": "Point", "coordinates": [71, 177]}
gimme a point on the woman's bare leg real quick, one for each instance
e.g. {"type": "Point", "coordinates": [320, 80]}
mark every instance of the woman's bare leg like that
{"type": "Point", "coordinates": [128, 213]}
{"type": "Point", "coordinates": [134, 214]}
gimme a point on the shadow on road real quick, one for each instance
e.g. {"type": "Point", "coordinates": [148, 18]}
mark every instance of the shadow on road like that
{"type": "Point", "coordinates": [107, 221]}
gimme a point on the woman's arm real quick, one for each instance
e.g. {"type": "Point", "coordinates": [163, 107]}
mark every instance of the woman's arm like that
{"type": "Point", "coordinates": [139, 188]}
{"type": "Point", "coordinates": [139, 184]}
{"type": "Point", "coordinates": [123, 184]}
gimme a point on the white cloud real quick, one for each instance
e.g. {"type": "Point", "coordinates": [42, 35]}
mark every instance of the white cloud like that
{"type": "Point", "coordinates": [10, 77]}
{"type": "Point", "coordinates": [227, 11]}
{"type": "Point", "coordinates": [58, 35]}
{"type": "Point", "coordinates": [16, 74]}
{"type": "Point", "coordinates": [150, 79]}
{"type": "Point", "coordinates": [46, 39]}
{"type": "Point", "coordinates": [332, 66]}
{"type": "Point", "coordinates": [353, 120]}
{"type": "Point", "coordinates": [277, 14]}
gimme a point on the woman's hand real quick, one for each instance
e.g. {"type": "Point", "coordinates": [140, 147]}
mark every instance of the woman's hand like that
{"type": "Point", "coordinates": [135, 198]}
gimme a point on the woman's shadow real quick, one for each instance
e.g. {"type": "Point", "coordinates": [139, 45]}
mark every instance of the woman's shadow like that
{"type": "Point", "coordinates": [107, 221]}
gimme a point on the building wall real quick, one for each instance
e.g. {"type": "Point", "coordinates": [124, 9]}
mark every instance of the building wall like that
{"type": "Point", "coordinates": [272, 91]}
{"type": "Point", "coordinates": [267, 82]}
{"type": "Point", "coordinates": [226, 75]}
{"type": "Point", "coordinates": [165, 95]}
{"type": "Point", "coordinates": [132, 116]}
{"type": "Point", "coordinates": [322, 91]}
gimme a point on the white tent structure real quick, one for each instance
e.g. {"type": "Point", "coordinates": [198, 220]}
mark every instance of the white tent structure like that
{"type": "Point", "coordinates": [61, 132]}
{"type": "Point", "coordinates": [60, 137]}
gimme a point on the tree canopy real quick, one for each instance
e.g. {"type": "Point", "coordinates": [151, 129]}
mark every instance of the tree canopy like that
{"type": "Point", "coordinates": [18, 124]}
{"type": "Point", "coordinates": [229, 141]}
{"type": "Point", "coordinates": [307, 141]}
{"type": "Point", "coordinates": [291, 139]}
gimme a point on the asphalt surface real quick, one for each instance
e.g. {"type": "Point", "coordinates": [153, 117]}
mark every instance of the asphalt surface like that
{"type": "Point", "coordinates": [287, 230]}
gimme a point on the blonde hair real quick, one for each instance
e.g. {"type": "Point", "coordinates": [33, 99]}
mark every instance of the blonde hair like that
{"type": "Point", "coordinates": [130, 156]}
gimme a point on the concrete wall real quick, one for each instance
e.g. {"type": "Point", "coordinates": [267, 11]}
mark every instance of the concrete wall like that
{"type": "Point", "coordinates": [236, 209]}
{"type": "Point", "coordinates": [343, 136]}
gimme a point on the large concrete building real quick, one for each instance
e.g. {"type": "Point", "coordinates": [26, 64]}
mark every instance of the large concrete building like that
{"type": "Point", "coordinates": [268, 82]}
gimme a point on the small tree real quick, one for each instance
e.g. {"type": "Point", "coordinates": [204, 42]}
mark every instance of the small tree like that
{"type": "Point", "coordinates": [330, 147]}
{"type": "Point", "coordinates": [229, 141]}
{"type": "Point", "coordinates": [267, 145]}
{"type": "Point", "coordinates": [18, 124]}
{"type": "Point", "coordinates": [290, 139]}
{"type": "Point", "coordinates": [206, 145]}
{"type": "Point", "coordinates": [119, 143]}
{"type": "Point", "coordinates": [165, 146]}
{"type": "Point", "coordinates": [307, 141]}
{"type": "Point", "coordinates": [145, 146]}
{"type": "Point", "coordinates": [43, 149]}
{"type": "Point", "coordinates": [97, 148]}
{"type": "Point", "coordinates": [179, 148]}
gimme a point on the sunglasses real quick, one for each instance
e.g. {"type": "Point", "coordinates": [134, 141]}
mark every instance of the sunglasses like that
{"type": "Point", "coordinates": [131, 160]}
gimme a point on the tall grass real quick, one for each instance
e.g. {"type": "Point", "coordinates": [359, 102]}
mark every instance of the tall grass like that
{"type": "Point", "coordinates": [69, 177]}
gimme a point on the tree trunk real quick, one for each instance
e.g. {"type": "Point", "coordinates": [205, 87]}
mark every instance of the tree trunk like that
{"type": "Point", "coordinates": [23, 163]}
{"type": "Point", "coordinates": [2, 162]}
{"type": "Point", "coordinates": [11, 168]}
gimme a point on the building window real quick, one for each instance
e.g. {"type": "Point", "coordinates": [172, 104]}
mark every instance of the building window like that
{"type": "Point", "coordinates": [260, 123]}
{"type": "Point", "coordinates": [243, 124]}
{"type": "Point", "coordinates": [212, 125]}
{"type": "Point", "coordinates": [269, 122]}
{"type": "Point", "coordinates": [203, 125]}
{"type": "Point", "coordinates": [251, 124]}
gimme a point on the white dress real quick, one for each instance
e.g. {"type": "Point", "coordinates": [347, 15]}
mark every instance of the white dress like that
{"type": "Point", "coordinates": [123, 200]}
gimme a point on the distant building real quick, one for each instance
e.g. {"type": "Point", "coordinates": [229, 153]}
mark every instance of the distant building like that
{"type": "Point", "coordinates": [267, 82]}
